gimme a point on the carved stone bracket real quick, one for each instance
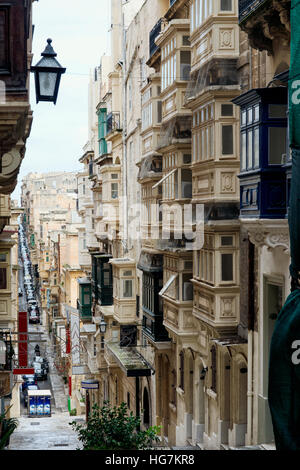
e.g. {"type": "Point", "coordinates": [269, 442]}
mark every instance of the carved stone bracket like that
{"type": "Point", "coordinates": [269, 23]}
{"type": "Point", "coordinates": [272, 235]}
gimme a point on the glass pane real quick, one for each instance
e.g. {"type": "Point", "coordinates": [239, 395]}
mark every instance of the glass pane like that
{"type": "Point", "coordinates": [127, 273]}
{"type": "Point", "coordinates": [226, 109]}
{"type": "Point", "coordinates": [256, 113]}
{"type": "Point", "coordinates": [187, 287]}
{"type": "Point", "coordinates": [243, 119]}
{"type": "Point", "coordinates": [3, 280]}
{"type": "Point", "coordinates": [227, 140]}
{"type": "Point", "coordinates": [106, 278]}
{"type": "Point", "coordinates": [256, 148]}
{"type": "Point", "coordinates": [226, 241]}
{"type": "Point", "coordinates": [185, 65]}
{"type": "Point", "coordinates": [249, 116]}
{"type": "Point", "coordinates": [243, 151]}
{"type": "Point", "coordinates": [249, 149]}
{"type": "Point", "coordinates": [127, 288]}
{"type": "Point", "coordinates": [277, 111]}
{"type": "Point", "coordinates": [227, 266]}
{"type": "Point", "coordinates": [47, 83]}
{"type": "Point", "coordinates": [226, 5]}
{"type": "Point", "coordinates": [277, 145]}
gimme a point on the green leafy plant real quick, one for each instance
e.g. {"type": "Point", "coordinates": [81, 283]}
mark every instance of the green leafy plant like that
{"type": "Point", "coordinates": [113, 428]}
{"type": "Point", "coordinates": [7, 427]}
{"type": "Point", "coordinates": [73, 412]}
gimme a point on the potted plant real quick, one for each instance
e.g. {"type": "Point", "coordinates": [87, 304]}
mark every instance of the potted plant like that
{"type": "Point", "coordinates": [7, 427]}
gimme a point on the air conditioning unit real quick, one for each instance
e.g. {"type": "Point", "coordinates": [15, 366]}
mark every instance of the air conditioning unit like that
{"type": "Point", "coordinates": [186, 189]}
{"type": "Point", "coordinates": [187, 291]}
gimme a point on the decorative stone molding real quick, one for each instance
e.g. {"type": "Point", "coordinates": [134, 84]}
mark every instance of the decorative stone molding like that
{"type": "Point", "coordinates": [268, 233]}
{"type": "Point", "coordinates": [263, 25]}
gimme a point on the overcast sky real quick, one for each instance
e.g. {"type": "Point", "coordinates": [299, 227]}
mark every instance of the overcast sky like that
{"type": "Point", "coordinates": [79, 33]}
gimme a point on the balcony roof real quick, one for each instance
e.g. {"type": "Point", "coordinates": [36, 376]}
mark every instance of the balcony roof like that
{"type": "Point", "coordinates": [130, 360]}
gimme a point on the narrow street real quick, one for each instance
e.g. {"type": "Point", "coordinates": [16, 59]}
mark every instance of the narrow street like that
{"type": "Point", "coordinates": [44, 433]}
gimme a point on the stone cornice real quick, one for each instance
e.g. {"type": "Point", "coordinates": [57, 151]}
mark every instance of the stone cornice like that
{"type": "Point", "coordinates": [269, 233]}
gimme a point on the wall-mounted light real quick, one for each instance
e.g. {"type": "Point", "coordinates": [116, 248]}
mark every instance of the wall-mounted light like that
{"type": "Point", "coordinates": [47, 74]}
{"type": "Point", "coordinates": [103, 325]}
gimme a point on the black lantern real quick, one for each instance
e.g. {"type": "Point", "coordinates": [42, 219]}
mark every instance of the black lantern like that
{"type": "Point", "coordinates": [103, 325]}
{"type": "Point", "coordinates": [47, 73]}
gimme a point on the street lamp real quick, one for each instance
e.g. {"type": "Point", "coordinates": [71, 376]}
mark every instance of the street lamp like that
{"type": "Point", "coordinates": [47, 74]}
{"type": "Point", "coordinates": [103, 325]}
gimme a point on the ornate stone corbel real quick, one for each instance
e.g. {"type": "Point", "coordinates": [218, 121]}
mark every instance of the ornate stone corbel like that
{"type": "Point", "coordinates": [271, 237]}
{"type": "Point", "coordinates": [283, 8]}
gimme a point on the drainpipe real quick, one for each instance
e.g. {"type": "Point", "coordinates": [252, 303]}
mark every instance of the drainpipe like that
{"type": "Point", "coordinates": [124, 162]}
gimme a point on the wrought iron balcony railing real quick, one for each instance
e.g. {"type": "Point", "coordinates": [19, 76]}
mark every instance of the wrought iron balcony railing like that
{"type": "Point", "coordinates": [153, 35]}
{"type": "Point", "coordinates": [113, 122]}
{"type": "Point", "coordinates": [247, 7]}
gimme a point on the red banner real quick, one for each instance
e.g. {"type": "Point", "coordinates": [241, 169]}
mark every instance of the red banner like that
{"type": "Point", "coordinates": [22, 339]}
{"type": "Point", "coordinates": [68, 340]}
{"type": "Point", "coordinates": [23, 371]}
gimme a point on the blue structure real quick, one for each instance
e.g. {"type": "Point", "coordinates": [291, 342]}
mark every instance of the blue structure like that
{"type": "Point", "coordinates": [264, 153]}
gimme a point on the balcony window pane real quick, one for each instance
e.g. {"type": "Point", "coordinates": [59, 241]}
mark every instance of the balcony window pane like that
{"type": "Point", "coordinates": [211, 141]}
{"type": "Point", "coordinates": [226, 241]}
{"type": "Point", "coordinates": [243, 118]}
{"type": "Point", "coordinates": [3, 278]}
{"type": "Point", "coordinates": [226, 5]}
{"type": "Point", "coordinates": [114, 190]}
{"type": "Point", "coordinates": [256, 148]}
{"type": "Point", "coordinates": [243, 151]}
{"type": "Point", "coordinates": [277, 111]}
{"type": "Point", "coordinates": [256, 113]}
{"type": "Point", "coordinates": [277, 145]}
{"type": "Point", "coordinates": [127, 288]}
{"type": "Point", "coordinates": [249, 116]}
{"type": "Point", "coordinates": [227, 266]}
{"type": "Point", "coordinates": [185, 65]}
{"type": "Point", "coordinates": [249, 149]}
{"type": "Point", "coordinates": [186, 183]}
{"type": "Point", "coordinates": [227, 140]}
{"type": "Point", "coordinates": [226, 109]}
{"type": "Point", "coordinates": [192, 17]}
{"type": "Point", "coordinates": [187, 287]}
{"type": "Point", "coordinates": [159, 111]}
